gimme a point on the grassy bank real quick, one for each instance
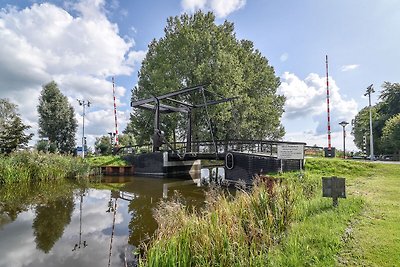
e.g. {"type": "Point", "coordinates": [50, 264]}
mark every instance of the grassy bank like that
{"type": "Point", "coordinates": [251, 230]}
{"type": "Point", "coordinates": [33, 166]}
{"type": "Point", "coordinates": [375, 235]}
{"type": "Point", "coordinates": [98, 161]}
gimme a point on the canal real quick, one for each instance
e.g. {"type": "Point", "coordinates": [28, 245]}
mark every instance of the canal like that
{"type": "Point", "coordinates": [66, 223]}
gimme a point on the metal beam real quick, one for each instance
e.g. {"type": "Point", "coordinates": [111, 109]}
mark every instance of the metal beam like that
{"type": "Point", "coordinates": [179, 92]}
{"type": "Point", "coordinates": [180, 102]}
{"type": "Point", "coordinates": [216, 102]}
{"type": "Point", "coordinates": [163, 108]}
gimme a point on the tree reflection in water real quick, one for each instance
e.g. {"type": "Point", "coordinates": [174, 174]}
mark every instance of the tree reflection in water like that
{"type": "Point", "coordinates": [51, 220]}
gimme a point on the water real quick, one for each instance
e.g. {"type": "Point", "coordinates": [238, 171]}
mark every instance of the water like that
{"type": "Point", "coordinates": [69, 224]}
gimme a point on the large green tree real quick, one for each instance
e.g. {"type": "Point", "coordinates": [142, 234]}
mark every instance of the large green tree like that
{"type": "Point", "coordinates": [387, 108]}
{"type": "Point", "coordinates": [12, 130]}
{"type": "Point", "coordinates": [195, 50]}
{"type": "Point", "coordinates": [361, 128]}
{"type": "Point", "coordinates": [103, 145]}
{"type": "Point", "coordinates": [391, 134]}
{"type": "Point", "coordinates": [57, 118]}
{"type": "Point", "coordinates": [390, 97]}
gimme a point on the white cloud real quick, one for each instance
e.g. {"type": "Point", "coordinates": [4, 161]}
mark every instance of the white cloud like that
{"type": "Point", "coordinates": [306, 99]}
{"type": "Point", "coordinates": [136, 57]}
{"type": "Point", "coordinates": [193, 5]}
{"type": "Point", "coordinates": [284, 57]}
{"type": "Point", "coordinates": [221, 8]}
{"type": "Point", "coordinates": [80, 50]}
{"type": "Point", "coordinates": [349, 67]}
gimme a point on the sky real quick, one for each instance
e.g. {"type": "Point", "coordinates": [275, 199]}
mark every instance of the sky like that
{"type": "Point", "coordinates": [83, 44]}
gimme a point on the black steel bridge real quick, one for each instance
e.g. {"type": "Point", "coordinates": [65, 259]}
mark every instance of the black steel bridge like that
{"type": "Point", "coordinates": [242, 158]}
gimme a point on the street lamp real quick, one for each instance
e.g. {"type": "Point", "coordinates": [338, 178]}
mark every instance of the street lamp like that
{"type": "Point", "coordinates": [370, 90]}
{"type": "Point", "coordinates": [344, 124]}
{"type": "Point", "coordinates": [83, 103]}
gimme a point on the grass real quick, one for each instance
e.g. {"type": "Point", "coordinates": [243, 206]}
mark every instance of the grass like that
{"type": "Point", "coordinates": [233, 231]}
{"type": "Point", "coordinates": [227, 232]}
{"type": "Point", "coordinates": [375, 235]}
{"type": "Point", "coordinates": [26, 166]}
{"type": "Point", "coordinates": [98, 161]}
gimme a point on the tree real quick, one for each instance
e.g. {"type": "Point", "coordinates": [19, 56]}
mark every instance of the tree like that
{"type": "Point", "coordinates": [57, 118]}
{"type": "Point", "coordinates": [12, 130]}
{"type": "Point", "coordinates": [103, 145]}
{"type": "Point", "coordinates": [196, 51]}
{"type": "Point", "coordinates": [126, 139]}
{"type": "Point", "coordinates": [361, 128]}
{"type": "Point", "coordinates": [381, 113]}
{"type": "Point", "coordinates": [390, 97]}
{"type": "Point", "coordinates": [391, 134]}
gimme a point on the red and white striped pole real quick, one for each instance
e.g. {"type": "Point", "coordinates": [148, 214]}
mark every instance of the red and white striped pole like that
{"type": "Point", "coordinates": [115, 114]}
{"type": "Point", "coordinates": [327, 104]}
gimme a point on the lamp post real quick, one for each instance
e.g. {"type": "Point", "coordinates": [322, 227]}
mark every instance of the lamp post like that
{"type": "Point", "coordinates": [370, 90]}
{"type": "Point", "coordinates": [83, 103]}
{"type": "Point", "coordinates": [344, 124]}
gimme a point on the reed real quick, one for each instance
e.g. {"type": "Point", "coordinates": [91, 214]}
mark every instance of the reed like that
{"type": "Point", "coordinates": [230, 231]}
{"type": "Point", "coordinates": [286, 224]}
{"type": "Point", "coordinates": [36, 166]}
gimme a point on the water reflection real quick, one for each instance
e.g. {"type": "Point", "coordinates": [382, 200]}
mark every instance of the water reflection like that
{"type": "Point", "coordinates": [67, 224]}
{"type": "Point", "coordinates": [79, 244]}
{"type": "Point", "coordinates": [50, 221]}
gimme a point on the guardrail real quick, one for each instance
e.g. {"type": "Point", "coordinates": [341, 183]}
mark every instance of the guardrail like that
{"type": "Point", "coordinates": [222, 146]}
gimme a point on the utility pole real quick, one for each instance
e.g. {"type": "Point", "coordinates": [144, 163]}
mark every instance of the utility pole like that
{"type": "Point", "coordinates": [327, 104]}
{"type": "Point", "coordinates": [115, 115]}
{"type": "Point", "coordinates": [370, 90]}
{"type": "Point", "coordinates": [83, 103]}
{"type": "Point", "coordinates": [344, 124]}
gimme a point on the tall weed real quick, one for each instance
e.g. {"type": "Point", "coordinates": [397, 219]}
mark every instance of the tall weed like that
{"type": "Point", "coordinates": [229, 231]}
{"type": "Point", "coordinates": [37, 166]}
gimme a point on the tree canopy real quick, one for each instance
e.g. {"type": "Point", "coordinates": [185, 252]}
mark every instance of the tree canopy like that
{"type": "Point", "coordinates": [195, 50]}
{"type": "Point", "coordinates": [383, 120]}
{"type": "Point", "coordinates": [57, 118]}
{"type": "Point", "coordinates": [12, 130]}
{"type": "Point", "coordinates": [391, 134]}
{"type": "Point", "coordinates": [103, 145]}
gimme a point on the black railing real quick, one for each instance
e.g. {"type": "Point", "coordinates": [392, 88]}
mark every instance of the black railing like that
{"type": "Point", "coordinates": [223, 146]}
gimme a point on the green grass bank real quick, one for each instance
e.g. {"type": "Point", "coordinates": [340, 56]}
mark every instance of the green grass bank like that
{"type": "Point", "coordinates": [110, 160]}
{"type": "Point", "coordinates": [35, 166]}
{"type": "Point", "coordinates": [289, 226]}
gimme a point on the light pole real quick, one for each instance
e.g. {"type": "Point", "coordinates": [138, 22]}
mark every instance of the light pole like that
{"type": "Point", "coordinates": [344, 124]}
{"type": "Point", "coordinates": [370, 90]}
{"type": "Point", "coordinates": [83, 103]}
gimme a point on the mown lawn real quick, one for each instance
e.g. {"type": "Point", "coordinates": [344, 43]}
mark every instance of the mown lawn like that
{"type": "Point", "coordinates": [375, 234]}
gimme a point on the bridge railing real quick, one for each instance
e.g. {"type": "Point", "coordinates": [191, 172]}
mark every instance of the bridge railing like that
{"type": "Point", "coordinates": [220, 146]}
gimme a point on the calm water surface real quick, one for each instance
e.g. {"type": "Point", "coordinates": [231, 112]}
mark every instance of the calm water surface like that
{"type": "Point", "coordinates": [69, 224]}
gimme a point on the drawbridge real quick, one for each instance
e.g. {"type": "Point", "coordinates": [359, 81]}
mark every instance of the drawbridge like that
{"type": "Point", "coordinates": [242, 159]}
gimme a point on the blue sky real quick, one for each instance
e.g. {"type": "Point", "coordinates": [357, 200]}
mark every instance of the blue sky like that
{"type": "Point", "coordinates": [82, 44]}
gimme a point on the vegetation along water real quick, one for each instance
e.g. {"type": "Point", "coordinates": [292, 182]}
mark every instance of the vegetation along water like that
{"type": "Point", "coordinates": [290, 226]}
{"type": "Point", "coordinates": [35, 166]}
{"type": "Point", "coordinates": [286, 223]}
